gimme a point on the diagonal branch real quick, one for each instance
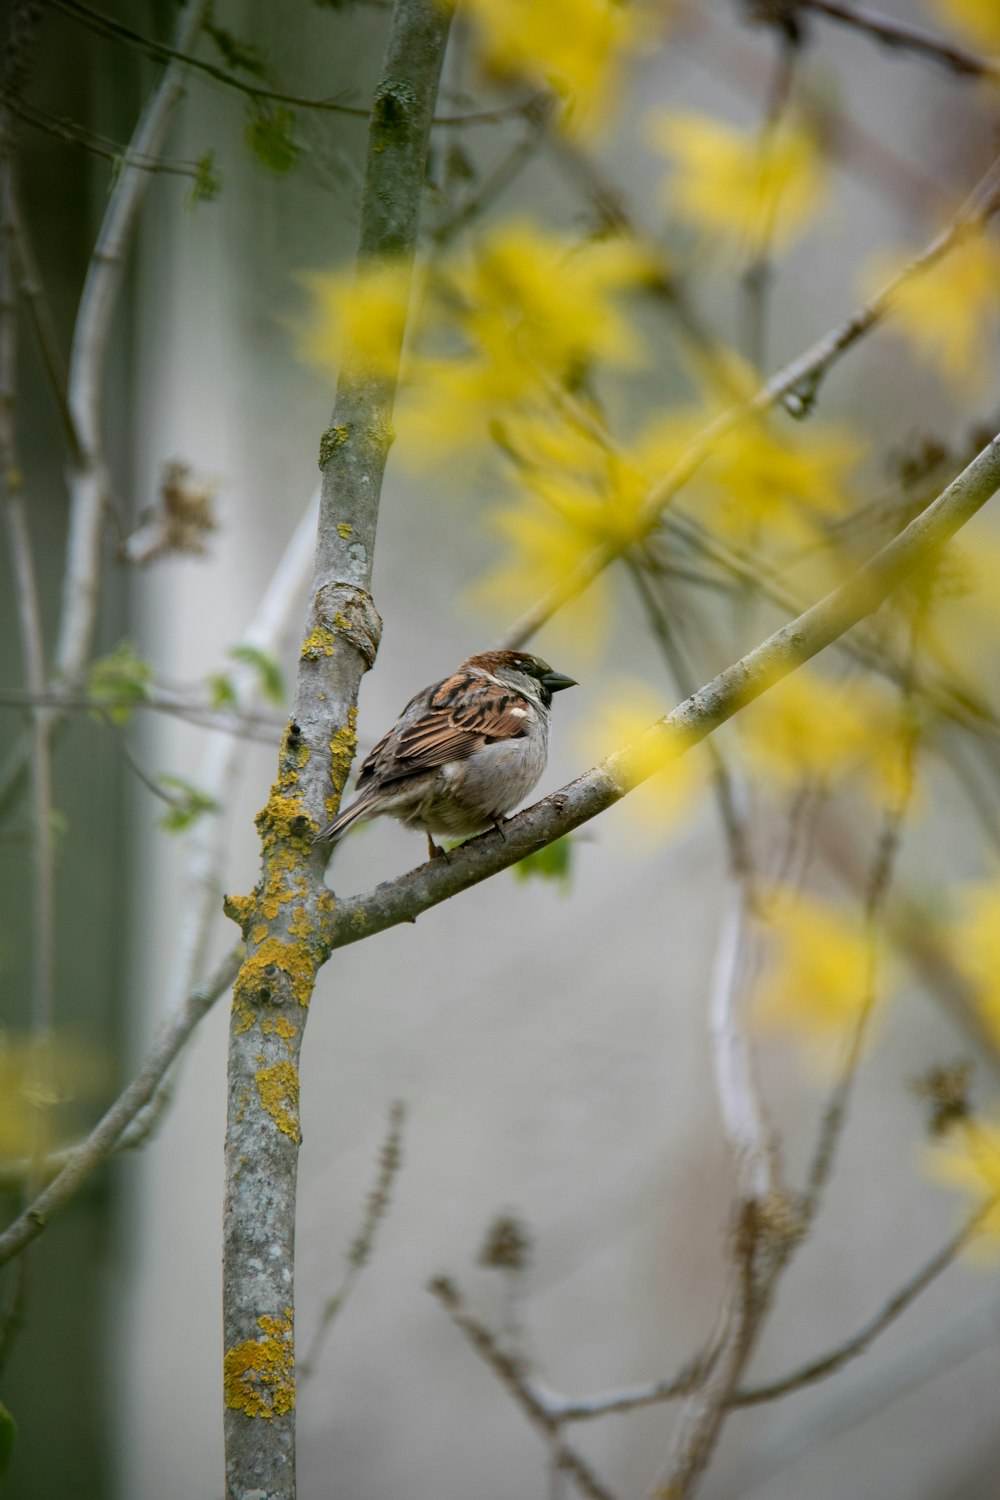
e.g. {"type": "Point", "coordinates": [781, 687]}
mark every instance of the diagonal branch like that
{"type": "Point", "coordinates": [860, 595]}
{"type": "Point", "coordinates": [904, 37]}
{"type": "Point", "coordinates": [795, 385]}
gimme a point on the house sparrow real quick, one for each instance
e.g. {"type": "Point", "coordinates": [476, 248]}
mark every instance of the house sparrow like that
{"type": "Point", "coordinates": [463, 752]}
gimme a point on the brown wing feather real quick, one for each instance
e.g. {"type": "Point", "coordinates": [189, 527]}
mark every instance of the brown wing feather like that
{"type": "Point", "coordinates": [457, 717]}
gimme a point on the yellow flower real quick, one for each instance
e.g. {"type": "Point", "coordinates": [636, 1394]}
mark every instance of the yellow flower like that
{"type": "Point", "coordinates": [949, 312]}
{"type": "Point", "coordinates": [818, 976]}
{"type": "Point", "coordinates": [542, 549]}
{"type": "Point", "coordinates": [576, 47]}
{"type": "Point", "coordinates": [809, 727]}
{"type": "Point", "coordinates": [364, 313]}
{"type": "Point", "coordinates": [979, 20]}
{"type": "Point", "coordinates": [783, 484]}
{"type": "Point", "coordinates": [673, 784]}
{"type": "Point", "coordinates": [737, 184]}
{"type": "Point", "coordinates": [969, 1161]}
{"type": "Point", "coordinates": [529, 294]}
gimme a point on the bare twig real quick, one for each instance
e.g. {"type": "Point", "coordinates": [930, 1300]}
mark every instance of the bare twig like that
{"type": "Point", "coordinates": [897, 1304]}
{"type": "Point", "coordinates": [108, 27]}
{"type": "Point", "coordinates": [904, 37]}
{"type": "Point", "coordinates": [796, 385]}
{"type": "Point", "coordinates": [103, 1138]}
{"type": "Point", "coordinates": [390, 1160]}
{"type": "Point", "coordinates": [41, 321]}
{"type": "Point", "coordinates": [509, 1370]}
{"type": "Point", "coordinates": [88, 359]}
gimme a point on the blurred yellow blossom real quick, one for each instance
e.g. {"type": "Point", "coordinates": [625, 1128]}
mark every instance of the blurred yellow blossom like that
{"type": "Point", "coordinates": [529, 295]}
{"type": "Point", "coordinates": [39, 1078]}
{"type": "Point", "coordinates": [575, 47]}
{"type": "Point", "coordinates": [811, 727]}
{"type": "Point", "coordinates": [949, 313]}
{"type": "Point", "coordinates": [969, 1161]}
{"type": "Point", "coordinates": [365, 312]}
{"type": "Point", "coordinates": [519, 311]}
{"type": "Point", "coordinates": [782, 484]}
{"type": "Point", "coordinates": [978, 20]}
{"type": "Point", "coordinates": [818, 974]}
{"type": "Point", "coordinates": [543, 548]}
{"type": "Point", "coordinates": [628, 710]}
{"type": "Point", "coordinates": [738, 184]}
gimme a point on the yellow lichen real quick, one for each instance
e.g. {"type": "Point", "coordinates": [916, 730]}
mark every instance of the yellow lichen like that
{"type": "Point", "coordinates": [300, 925]}
{"type": "Point", "coordinates": [358, 919]}
{"type": "Point", "coordinates": [259, 1374]}
{"type": "Point", "coordinates": [344, 530]}
{"type": "Point", "coordinates": [342, 748]}
{"type": "Point", "coordinates": [278, 1088]}
{"type": "Point", "coordinates": [258, 933]}
{"type": "Point", "coordinates": [280, 1026]}
{"type": "Point", "coordinates": [239, 908]}
{"type": "Point", "coordinates": [318, 642]}
{"type": "Point", "coordinates": [256, 979]}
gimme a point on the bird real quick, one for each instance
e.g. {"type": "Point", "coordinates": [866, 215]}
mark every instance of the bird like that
{"type": "Point", "coordinates": [462, 753]}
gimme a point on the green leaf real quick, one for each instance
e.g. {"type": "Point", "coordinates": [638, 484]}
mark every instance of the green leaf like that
{"type": "Point", "coordinates": [270, 134]}
{"type": "Point", "coordinates": [551, 863]}
{"type": "Point", "coordinates": [189, 806]}
{"type": "Point", "coordinates": [207, 181]}
{"type": "Point", "coordinates": [121, 675]}
{"type": "Point", "coordinates": [8, 1437]}
{"type": "Point", "coordinates": [222, 692]}
{"type": "Point", "coordinates": [272, 683]}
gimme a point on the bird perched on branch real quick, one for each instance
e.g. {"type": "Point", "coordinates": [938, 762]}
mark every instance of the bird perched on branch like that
{"type": "Point", "coordinates": [463, 753]}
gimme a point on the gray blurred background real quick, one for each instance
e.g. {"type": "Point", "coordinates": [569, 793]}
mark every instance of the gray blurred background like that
{"type": "Point", "coordinates": [551, 1047]}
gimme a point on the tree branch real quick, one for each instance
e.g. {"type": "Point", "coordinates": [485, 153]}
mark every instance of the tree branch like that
{"type": "Point", "coordinates": [102, 1140]}
{"type": "Point", "coordinates": [860, 595]}
{"type": "Point", "coordinates": [509, 1370]}
{"type": "Point", "coordinates": [904, 37]}
{"type": "Point", "coordinates": [282, 920]}
{"type": "Point", "coordinates": [795, 385]}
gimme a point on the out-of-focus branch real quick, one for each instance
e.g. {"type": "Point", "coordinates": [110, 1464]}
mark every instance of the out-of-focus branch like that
{"type": "Point", "coordinates": [510, 1371]}
{"type": "Point", "coordinates": [795, 385]}
{"type": "Point", "coordinates": [819, 1369]}
{"type": "Point", "coordinates": [117, 31]}
{"type": "Point", "coordinates": [900, 35]}
{"type": "Point", "coordinates": [41, 321]}
{"type": "Point", "coordinates": [390, 1160]}
{"type": "Point", "coordinates": [403, 899]}
{"type": "Point", "coordinates": [104, 1137]}
{"type": "Point", "coordinates": [88, 360]}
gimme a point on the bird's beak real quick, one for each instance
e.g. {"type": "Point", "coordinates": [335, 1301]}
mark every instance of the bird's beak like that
{"type": "Point", "coordinates": [555, 682]}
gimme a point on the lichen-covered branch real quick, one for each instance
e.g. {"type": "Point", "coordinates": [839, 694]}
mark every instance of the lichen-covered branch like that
{"type": "Point", "coordinates": [284, 920]}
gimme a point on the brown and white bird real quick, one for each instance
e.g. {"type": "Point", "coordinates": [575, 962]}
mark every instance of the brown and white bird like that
{"type": "Point", "coordinates": [463, 753]}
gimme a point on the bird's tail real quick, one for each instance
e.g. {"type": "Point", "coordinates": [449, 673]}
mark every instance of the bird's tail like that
{"type": "Point", "coordinates": [357, 810]}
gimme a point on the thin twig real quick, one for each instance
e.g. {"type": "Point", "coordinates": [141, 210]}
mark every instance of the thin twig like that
{"type": "Point", "coordinates": [41, 321]}
{"type": "Point", "coordinates": [390, 1160]}
{"type": "Point", "coordinates": [102, 1140]}
{"type": "Point", "coordinates": [796, 384]}
{"type": "Point", "coordinates": [897, 1304]}
{"type": "Point", "coordinates": [510, 1371]}
{"type": "Point", "coordinates": [88, 360]}
{"type": "Point", "coordinates": [115, 30]}
{"type": "Point", "coordinates": [906, 38]}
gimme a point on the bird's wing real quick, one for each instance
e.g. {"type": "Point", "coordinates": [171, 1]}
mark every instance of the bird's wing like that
{"type": "Point", "coordinates": [447, 722]}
